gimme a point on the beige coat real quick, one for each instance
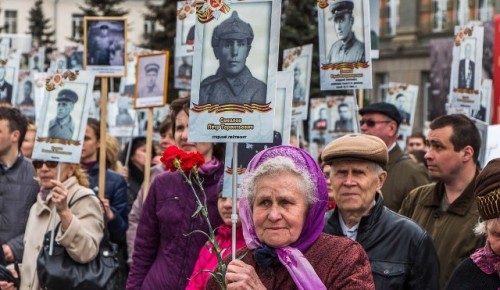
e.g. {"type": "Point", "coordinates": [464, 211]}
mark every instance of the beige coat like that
{"type": "Point", "coordinates": [81, 239]}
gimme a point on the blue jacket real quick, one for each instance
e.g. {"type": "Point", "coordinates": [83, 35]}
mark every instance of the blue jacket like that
{"type": "Point", "coordinates": [116, 193]}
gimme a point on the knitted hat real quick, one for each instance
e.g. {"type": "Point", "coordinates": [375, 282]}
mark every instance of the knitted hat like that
{"type": "Point", "coordinates": [487, 190]}
{"type": "Point", "coordinates": [357, 146]}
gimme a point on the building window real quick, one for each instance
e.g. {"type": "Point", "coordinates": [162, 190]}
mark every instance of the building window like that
{"type": "Point", "coordinates": [10, 21]}
{"type": "Point", "coordinates": [439, 19]}
{"type": "Point", "coordinates": [462, 12]}
{"type": "Point", "coordinates": [149, 26]}
{"type": "Point", "coordinates": [393, 16]}
{"type": "Point", "coordinates": [76, 26]}
{"type": "Point", "coordinates": [382, 85]}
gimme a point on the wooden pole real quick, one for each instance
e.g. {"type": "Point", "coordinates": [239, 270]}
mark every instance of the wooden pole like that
{"type": "Point", "coordinates": [149, 146]}
{"type": "Point", "coordinates": [102, 142]}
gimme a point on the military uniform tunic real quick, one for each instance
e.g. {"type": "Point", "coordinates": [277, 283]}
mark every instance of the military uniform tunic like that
{"type": "Point", "coordinates": [243, 89]}
{"type": "Point", "coordinates": [351, 51]}
{"type": "Point", "coordinates": [147, 92]}
{"type": "Point", "coordinates": [61, 131]}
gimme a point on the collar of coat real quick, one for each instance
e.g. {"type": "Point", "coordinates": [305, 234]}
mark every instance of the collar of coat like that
{"type": "Point", "coordinates": [460, 206]}
{"type": "Point", "coordinates": [46, 205]}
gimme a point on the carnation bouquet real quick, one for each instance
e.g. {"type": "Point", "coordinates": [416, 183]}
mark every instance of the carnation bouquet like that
{"type": "Point", "coordinates": [188, 164]}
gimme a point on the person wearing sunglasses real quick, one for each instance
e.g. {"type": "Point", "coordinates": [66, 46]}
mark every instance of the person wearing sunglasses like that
{"type": "Point", "coordinates": [403, 174]}
{"type": "Point", "coordinates": [75, 209]}
{"type": "Point", "coordinates": [18, 189]}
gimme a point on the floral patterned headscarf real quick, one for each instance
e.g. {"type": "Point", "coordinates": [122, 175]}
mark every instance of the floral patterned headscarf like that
{"type": "Point", "coordinates": [291, 256]}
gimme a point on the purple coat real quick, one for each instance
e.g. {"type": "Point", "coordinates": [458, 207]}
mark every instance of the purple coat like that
{"type": "Point", "coordinates": [164, 256]}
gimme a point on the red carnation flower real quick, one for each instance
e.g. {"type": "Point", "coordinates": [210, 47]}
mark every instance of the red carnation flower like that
{"type": "Point", "coordinates": [190, 160]}
{"type": "Point", "coordinates": [169, 156]}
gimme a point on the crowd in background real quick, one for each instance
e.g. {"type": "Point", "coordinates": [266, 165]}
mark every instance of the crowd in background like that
{"type": "Point", "coordinates": [402, 218]}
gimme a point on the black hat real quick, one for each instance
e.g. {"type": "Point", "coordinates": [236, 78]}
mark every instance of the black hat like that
{"type": "Point", "coordinates": [104, 26]}
{"type": "Point", "coordinates": [383, 108]}
{"type": "Point", "coordinates": [341, 7]}
{"type": "Point", "coordinates": [152, 67]}
{"type": "Point", "coordinates": [232, 28]}
{"type": "Point", "coordinates": [67, 96]}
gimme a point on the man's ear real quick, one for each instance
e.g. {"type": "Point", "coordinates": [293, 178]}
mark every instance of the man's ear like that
{"type": "Point", "coordinates": [468, 153]}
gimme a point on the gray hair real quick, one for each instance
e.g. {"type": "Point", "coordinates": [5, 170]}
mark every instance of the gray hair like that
{"type": "Point", "coordinates": [373, 166]}
{"type": "Point", "coordinates": [481, 228]}
{"type": "Point", "coordinates": [275, 166]}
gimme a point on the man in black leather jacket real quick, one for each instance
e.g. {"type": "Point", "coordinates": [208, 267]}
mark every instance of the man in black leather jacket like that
{"type": "Point", "coordinates": [402, 254]}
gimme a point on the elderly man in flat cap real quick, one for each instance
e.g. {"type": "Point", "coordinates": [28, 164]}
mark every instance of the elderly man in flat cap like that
{"type": "Point", "coordinates": [402, 255]}
{"type": "Point", "coordinates": [233, 82]}
{"type": "Point", "coordinates": [62, 126]}
{"type": "Point", "coordinates": [347, 49]}
{"type": "Point", "coordinates": [403, 174]}
{"type": "Point", "coordinates": [151, 88]}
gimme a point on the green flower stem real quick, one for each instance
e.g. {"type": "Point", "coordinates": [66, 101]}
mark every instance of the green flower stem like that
{"type": "Point", "coordinates": [221, 267]}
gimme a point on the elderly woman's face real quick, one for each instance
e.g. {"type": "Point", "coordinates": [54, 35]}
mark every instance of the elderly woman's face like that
{"type": "Point", "coordinates": [493, 235]}
{"type": "Point", "coordinates": [48, 172]}
{"type": "Point", "coordinates": [279, 209]}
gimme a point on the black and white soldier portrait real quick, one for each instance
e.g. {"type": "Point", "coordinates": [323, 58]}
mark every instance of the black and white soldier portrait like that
{"type": "Point", "coordinates": [63, 126]}
{"type": "Point", "coordinates": [233, 82]}
{"type": "Point", "coordinates": [345, 121]}
{"type": "Point", "coordinates": [347, 48]}
{"type": "Point", "coordinates": [6, 87]}
{"type": "Point", "coordinates": [299, 90]}
{"type": "Point", "coordinates": [151, 88]}
{"type": "Point", "coordinates": [466, 68]}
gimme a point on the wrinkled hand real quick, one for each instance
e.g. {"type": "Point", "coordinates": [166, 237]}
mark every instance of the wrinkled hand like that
{"type": "Point", "coordinates": [59, 196]}
{"type": "Point", "coordinates": [107, 209]}
{"type": "Point", "coordinates": [240, 275]}
{"type": "Point", "coordinates": [7, 252]}
{"type": "Point", "coordinates": [6, 285]}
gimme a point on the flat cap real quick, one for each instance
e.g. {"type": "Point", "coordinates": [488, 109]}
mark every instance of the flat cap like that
{"type": "Point", "coordinates": [67, 96]}
{"type": "Point", "coordinates": [487, 190]}
{"type": "Point", "coordinates": [383, 108]}
{"type": "Point", "coordinates": [152, 67]}
{"type": "Point", "coordinates": [357, 147]}
{"type": "Point", "coordinates": [341, 7]}
{"type": "Point", "coordinates": [232, 28]}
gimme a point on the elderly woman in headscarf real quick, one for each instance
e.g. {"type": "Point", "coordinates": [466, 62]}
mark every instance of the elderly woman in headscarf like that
{"type": "Point", "coordinates": [482, 268]}
{"type": "Point", "coordinates": [282, 214]}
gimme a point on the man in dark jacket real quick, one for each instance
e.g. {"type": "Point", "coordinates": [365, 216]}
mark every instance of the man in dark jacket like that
{"type": "Point", "coordinates": [18, 189]}
{"type": "Point", "coordinates": [447, 209]}
{"type": "Point", "coordinates": [115, 192]}
{"type": "Point", "coordinates": [401, 253]}
{"type": "Point", "coordinates": [403, 174]}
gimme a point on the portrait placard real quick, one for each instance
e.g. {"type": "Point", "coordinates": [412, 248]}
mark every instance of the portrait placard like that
{"type": "Point", "coordinates": [152, 80]}
{"type": "Point", "coordinates": [39, 83]}
{"type": "Point", "coordinates": [122, 119]}
{"type": "Point", "coordinates": [234, 71]}
{"type": "Point", "coordinates": [466, 68]}
{"type": "Point", "coordinates": [25, 99]}
{"type": "Point", "coordinates": [344, 44]}
{"type": "Point", "coordinates": [61, 130]}
{"type": "Point", "coordinates": [9, 73]}
{"type": "Point", "coordinates": [485, 102]}
{"type": "Point", "coordinates": [281, 133]}
{"type": "Point", "coordinates": [19, 43]}
{"type": "Point", "coordinates": [184, 45]}
{"type": "Point", "coordinates": [492, 143]}
{"type": "Point", "coordinates": [343, 113]}
{"type": "Point", "coordinates": [37, 60]}
{"type": "Point", "coordinates": [299, 60]}
{"type": "Point", "coordinates": [375, 28]}
{"type": "Point", "coordinates": [105, 49]}
{"type": "Point", "coordinates": [404, 97]}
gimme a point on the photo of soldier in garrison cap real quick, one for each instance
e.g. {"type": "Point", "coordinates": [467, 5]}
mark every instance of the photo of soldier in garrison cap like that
{"type": "Point", "coordinates": [347, 49]}
{"type": "Point", "coordinates": [62, 126]}
{"type": "Point", "coordinates": [233, 82]}
{"type": "Point", "coordinates": [151, 87]}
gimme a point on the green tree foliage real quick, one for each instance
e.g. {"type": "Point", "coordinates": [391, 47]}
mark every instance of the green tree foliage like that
{"type": "Point", "coordinates": [163, 37]}
{"type": "Point", "coordinates": [41, 31]}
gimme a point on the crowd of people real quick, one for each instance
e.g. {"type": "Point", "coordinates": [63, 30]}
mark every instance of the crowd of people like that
{"type": "Point", "coordinates": [368, 215]}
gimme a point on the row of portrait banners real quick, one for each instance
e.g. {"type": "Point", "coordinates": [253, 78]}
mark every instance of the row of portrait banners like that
{"type": "Point", "coordinates": [231, 71]}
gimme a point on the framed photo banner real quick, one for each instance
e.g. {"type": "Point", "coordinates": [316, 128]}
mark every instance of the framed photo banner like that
{"type": "Point", "coordinates": [151, 80]}
{"type": "Point", "coordinates": [344, 44]}
{"type": "Point", "coordinates": [61, 130]}
{"type": "Point", "coordinates": [234, 71]}
{"type": "Point", "coordinates": [105, 49]}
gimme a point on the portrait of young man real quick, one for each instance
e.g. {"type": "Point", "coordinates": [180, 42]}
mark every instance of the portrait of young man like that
{"type": "Point", "coordinates": [347, 48]}
{"type": "Point", "coordinates": [151, 88]}
{"type": "Point", "coordinates": [233, 82]}
{"type": "Point", "coordinates": [466, 69]}
{"type": "Point", "coordinates": [5, 87]}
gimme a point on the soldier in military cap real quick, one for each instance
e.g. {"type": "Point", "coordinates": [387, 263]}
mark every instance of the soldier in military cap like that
{"type": "Point", "coordinates": [151, 88]}
{"type": "Point", "coordinates": [100, 46]}
{"type": "Point", "coordinates": [62, 126]}
{"type": "Point", "coordinates": [233, 82]}
{"type": "Point", "coordinates": [347, 49]}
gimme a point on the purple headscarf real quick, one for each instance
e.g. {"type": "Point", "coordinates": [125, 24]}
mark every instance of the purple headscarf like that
{"type": "Point", "coordinates": [291, 256]}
